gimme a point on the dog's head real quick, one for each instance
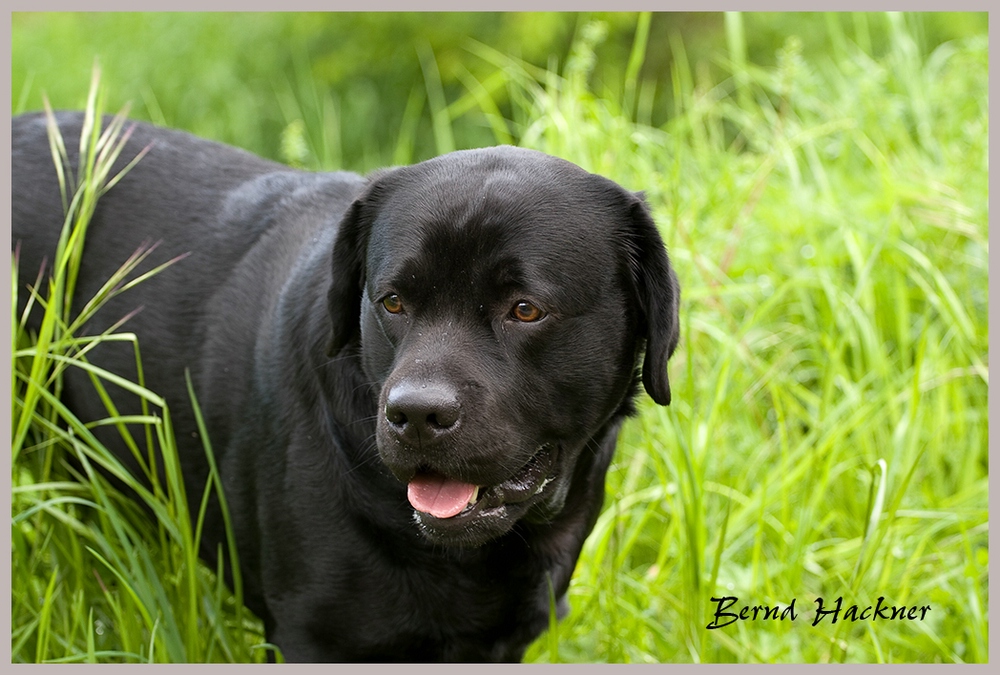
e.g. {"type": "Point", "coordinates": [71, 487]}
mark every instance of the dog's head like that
{"type": "Point", "coordinates": [501, 299]}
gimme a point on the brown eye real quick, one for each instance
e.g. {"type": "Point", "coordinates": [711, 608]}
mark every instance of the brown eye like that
{"type": "Point", "coordinates": [392, 303]}
{"type": "Point", "coordinates": [526, 312]}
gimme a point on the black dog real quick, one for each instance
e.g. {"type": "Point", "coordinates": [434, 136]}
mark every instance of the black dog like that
{"type": "Point", "coordinates": [413, 383]}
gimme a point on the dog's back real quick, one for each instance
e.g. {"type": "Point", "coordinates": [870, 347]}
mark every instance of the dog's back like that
{"type": "Point", "coordinates": [202, 204]}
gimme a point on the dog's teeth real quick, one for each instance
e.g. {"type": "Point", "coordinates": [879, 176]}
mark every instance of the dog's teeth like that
{"type": "Point", "coordinates": [475, 495]}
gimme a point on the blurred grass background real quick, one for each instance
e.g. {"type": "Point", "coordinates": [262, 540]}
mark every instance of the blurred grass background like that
{"type": "Point", "coordinates": [368, 83]}
{"type": "Point", "coordinates": [822, 183]}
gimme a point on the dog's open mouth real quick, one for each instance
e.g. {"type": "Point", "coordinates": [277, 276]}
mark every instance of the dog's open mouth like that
{"type": "Point", "coordinates": [445, 498]}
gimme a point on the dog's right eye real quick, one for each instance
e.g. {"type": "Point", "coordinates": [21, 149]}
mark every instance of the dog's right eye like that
{"type": "Point", "coordinates": [526, 312]}
{"type": "Point", "coordinates": [392, 303]}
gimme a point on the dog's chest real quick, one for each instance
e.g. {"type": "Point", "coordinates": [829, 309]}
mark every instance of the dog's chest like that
{"type": "Point", "coordinates": [447, 611]}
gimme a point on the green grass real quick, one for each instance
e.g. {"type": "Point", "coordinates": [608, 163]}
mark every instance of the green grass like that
{"type": "Point", "coordinates": [827, 216]}
{"type": "Point", "coordinates": [96, 578]}
{"type": "Point", "coordinates": [828, 435]}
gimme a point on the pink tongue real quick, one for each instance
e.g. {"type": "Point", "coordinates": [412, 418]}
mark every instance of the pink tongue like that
{"type": "Point", "coordinates": [439, 496]}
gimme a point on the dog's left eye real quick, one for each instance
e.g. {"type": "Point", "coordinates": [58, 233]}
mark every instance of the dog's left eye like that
{"type": "Point", "coordinates": [392, 303]}
{"type": "Point", "coordinates": [526, 312]}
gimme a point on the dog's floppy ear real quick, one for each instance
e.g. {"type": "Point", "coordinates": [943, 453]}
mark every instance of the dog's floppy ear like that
{"type": "Point", "coordinates": [658, 293]}
{"type": "Point", "coordinates": [349, 252]}
{"type": "Point", "coordinates": [344, 298]}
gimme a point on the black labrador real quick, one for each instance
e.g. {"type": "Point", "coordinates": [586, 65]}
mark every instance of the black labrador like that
{"type": "Point", "coordinates": [413, 382]}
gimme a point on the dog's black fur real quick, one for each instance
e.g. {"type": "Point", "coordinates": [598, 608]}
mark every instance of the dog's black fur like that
{"type": "Point", "coordinates": [345, 334]}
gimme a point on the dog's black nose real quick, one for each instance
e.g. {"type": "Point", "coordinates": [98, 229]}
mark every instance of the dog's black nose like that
{"type": "Point", "coordinates": [422, 411]}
